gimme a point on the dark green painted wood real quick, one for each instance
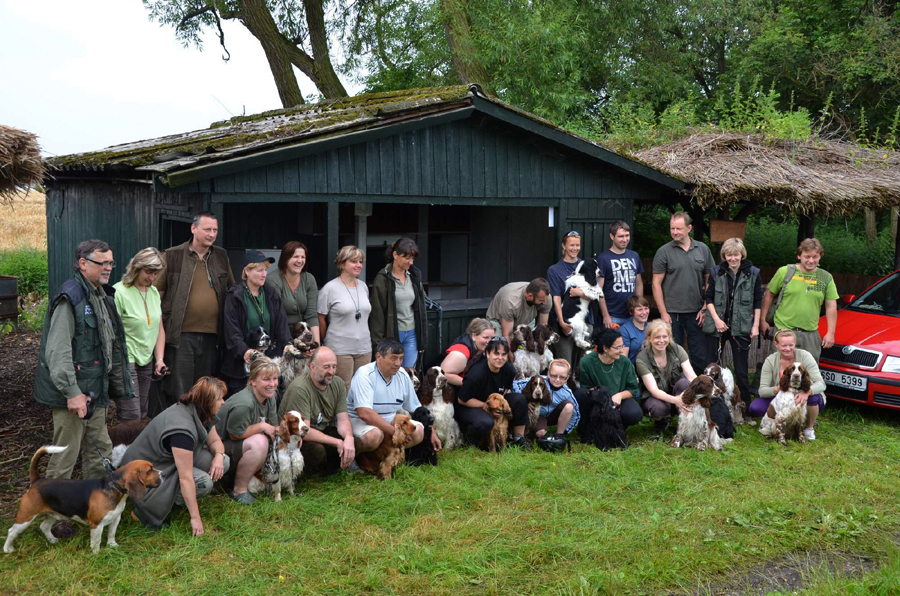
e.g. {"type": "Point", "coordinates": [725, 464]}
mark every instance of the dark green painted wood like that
{"type": "Point", "coordinates": [454, 321]}
{"type": "Point", "coordinates": [417, 200]}
{"type": "Point", "coordinates": [291, 175]}
{"type": "Point", "coordinates": [275, 177]}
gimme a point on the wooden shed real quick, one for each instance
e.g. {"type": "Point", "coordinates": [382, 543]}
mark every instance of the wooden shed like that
{"type": "Point", "coordinates": [485, 189]}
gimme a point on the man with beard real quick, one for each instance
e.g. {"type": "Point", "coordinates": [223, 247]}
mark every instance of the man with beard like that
{"type": "Point", "coordinates": [321, 398]}
{"type": "Point", "coordinates": [519, 303]}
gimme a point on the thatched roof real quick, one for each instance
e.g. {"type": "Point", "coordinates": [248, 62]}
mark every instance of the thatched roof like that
{"type": "Point", "coordinates": [814, 176]}
{"type": "Point", "coordinates": [20, 161]}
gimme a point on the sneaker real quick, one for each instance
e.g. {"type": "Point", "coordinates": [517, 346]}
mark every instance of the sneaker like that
{"type": "Point", "coordinates": [521, 442]}
{"type": "Point", "coordinates": [353, 468]}
{"type": "Point", "coordinates": [810, 434]}
{"type": "Point", "coordinates": [244, 498]}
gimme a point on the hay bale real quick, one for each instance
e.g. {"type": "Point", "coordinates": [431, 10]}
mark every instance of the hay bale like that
{"type": "Point", "coordinates": [20, 162]}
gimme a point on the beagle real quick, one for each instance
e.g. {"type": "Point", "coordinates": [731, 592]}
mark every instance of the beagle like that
{"type": "Point", "coordinates": [97, 503]}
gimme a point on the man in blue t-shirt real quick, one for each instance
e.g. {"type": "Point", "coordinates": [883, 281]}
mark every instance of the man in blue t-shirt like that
{"type": "Point", "coordinates": [620, 275]}
{"type": "Point", "coordinates": [556, 277]}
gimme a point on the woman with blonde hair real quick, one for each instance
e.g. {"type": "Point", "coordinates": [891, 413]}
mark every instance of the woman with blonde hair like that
{"type": "Point", "coordinates": [248, 306]}
{"type": "Point", "coordinates": [344, 310]}
{"type": "Point", "coordinates": [733, 300]}
{"type": "Point", "coordinates": [138, 303]}
{"type": "Point", "coordinates": [247, 422]}
{"type": "Point", "coordinates": [665, 370]}
{"type": "Point", "coordinates": [183, 444]}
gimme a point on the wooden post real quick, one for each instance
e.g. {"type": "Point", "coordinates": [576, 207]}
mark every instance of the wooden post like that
{"type": "Point", "coordinates": [331, 237]}
{"type": "Point", "coordinates": [806, 227]}
{"type": "Point", "coordinates": [871, 228]}
{"type": "Point", "coordinates": [362, 212]}
{"type": "Point", "coordinates": [896, 246]}
{"type": "Point", "coordinates": [422, 241]}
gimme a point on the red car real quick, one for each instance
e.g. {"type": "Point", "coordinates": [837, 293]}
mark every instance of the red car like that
{"type": "Point", "coordinates": [864, 363]}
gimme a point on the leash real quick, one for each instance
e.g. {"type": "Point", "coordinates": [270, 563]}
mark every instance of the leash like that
{"type": "Point", "coordinates": [273, 468]}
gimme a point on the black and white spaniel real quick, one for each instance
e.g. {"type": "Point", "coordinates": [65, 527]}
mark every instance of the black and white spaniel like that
{"type": "Point", "coordinates": [435, 394]}
{"type": "Point", "coordinates": [575, 310]}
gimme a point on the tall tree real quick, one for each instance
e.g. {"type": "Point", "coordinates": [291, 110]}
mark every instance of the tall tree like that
{"type": "Point", "coordinates": [291, 33]}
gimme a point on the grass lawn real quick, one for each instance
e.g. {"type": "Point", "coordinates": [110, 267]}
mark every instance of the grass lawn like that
{"type": "Point", "coordinates": [648, 520]}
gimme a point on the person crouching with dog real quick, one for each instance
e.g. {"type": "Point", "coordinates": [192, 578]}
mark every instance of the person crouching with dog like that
{"type": "Point", "coordinates": [606, 367]}
{"type": "Point", "coordinates": [184, 445]}
{"type": "Point", "coordinates": [250, 305]}
{"type": "Point", "coordinates": [563, 411]}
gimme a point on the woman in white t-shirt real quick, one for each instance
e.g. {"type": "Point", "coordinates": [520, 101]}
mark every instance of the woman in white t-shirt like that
{"type": "Point", "coordinates": [138, 303]}
{"type": "Point", "coordinates": [344, 309]}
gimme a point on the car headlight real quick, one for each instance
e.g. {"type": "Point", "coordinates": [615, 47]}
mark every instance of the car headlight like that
{"type": "Point", "coordinates": [891, 365]}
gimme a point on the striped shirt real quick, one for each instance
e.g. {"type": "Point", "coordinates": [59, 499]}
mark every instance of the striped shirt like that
{"type": "Point", "coordinates": [369, 389]}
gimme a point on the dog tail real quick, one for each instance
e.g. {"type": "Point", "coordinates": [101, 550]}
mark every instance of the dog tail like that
{"type": "Point", "coordinates": [33, 474]}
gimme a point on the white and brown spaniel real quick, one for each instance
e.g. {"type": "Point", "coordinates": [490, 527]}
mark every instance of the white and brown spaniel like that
{"type": "Point", "coordinates": [436, 394]}
{"type": "Point", "coordinates": [295, 361]}
{"type": "Point", "coordinates": [575, 310]}
{"type": "Point", "coordinates": [531, 348]}
{"type": "Point", "coordinates": [732, 395]}
{"type": "Point", "coordinates": [790, 418]}
{"type": "Point", "coordinates": [390, 454]}
{"type": "Point", "coordinates": [285, 463]}
{"type": "Point", "coordinates": [695, 428]}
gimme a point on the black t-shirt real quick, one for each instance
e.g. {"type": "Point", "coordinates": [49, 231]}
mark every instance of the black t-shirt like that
{"type": "Point", "coordinates": [480, 382]}
{"type": "Point", "coordinates": [180, 440]}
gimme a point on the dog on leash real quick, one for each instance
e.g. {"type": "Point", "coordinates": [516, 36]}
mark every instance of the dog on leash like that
{"type": "Point", "coordinates": [98, 503]}
{"type": "Point", "coordinates": [122, 435]}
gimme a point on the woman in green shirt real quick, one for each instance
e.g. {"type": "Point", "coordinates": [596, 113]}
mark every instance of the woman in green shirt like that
{"type": "Point", "coordinates": [665, 370]}
{"type": "Point", "coordinates": [605, 366]}
{"type": "Point", "coordinates": [138, 304]}
{"type": "Point", "coordinates": [296, 287]}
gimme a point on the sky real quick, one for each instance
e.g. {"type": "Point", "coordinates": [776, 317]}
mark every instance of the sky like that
{"type": "Point", "coordinates": [87, 74]}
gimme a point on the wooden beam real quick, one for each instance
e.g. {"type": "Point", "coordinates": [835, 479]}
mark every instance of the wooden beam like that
{"type": "Point", "coordinates": [331, 238]}
{"type": "Point", "coordinates": [747, 210]}
{"type": "Point", "coordinates": [806, 227]}
{"type": "Point", "coordinates": [410, 199]}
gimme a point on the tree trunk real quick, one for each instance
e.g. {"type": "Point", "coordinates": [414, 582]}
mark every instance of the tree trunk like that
{"type": "Point", "coordinates": [871, 229]}
{"type": "Point", "coordinates": [806, 227]}
{"type": "Point", "coordinates": [323, 72]}
{"type": "Point", "coordinates": [258, 20]}
{"type": "Point", "coordinates": [468, 67]}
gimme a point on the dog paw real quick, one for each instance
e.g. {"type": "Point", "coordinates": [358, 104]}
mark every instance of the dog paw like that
{"type": "Point", "coordinates": [9, 549]}
{"type": "Point", "coordinates": [112, 543]}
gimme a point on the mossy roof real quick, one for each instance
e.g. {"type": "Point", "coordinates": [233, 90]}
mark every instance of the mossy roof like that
{"type": "Point", "coordinates": [244, 136]}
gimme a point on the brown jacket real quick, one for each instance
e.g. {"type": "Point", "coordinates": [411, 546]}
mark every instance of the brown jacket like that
{"type": "Point", "coordinates": [178, 274]}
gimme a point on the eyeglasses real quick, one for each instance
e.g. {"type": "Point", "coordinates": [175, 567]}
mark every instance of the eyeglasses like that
{"type": "Point", "coordinates": [573, 233]}
{"type": "Point", "coordinates": [619, 348]}
{"type": "Point", "coordinates": [104, 264]}
{"type": "Point", "coordinates": [558, 377]}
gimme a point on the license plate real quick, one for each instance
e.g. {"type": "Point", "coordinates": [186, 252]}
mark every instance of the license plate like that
{"type": "Point", "coordinates": [839, 379]}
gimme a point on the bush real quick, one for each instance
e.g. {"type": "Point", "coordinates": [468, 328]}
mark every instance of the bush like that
{"type": "Point", "coordinates": [30, 266]}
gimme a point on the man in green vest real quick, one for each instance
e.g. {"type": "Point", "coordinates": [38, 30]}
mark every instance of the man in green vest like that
{"type": "Point", "coordinates": [192, 287]}
{"type": "Point", "coordinates": [802, 300]}
{"type": "Point", "coordinates": [83, 362]}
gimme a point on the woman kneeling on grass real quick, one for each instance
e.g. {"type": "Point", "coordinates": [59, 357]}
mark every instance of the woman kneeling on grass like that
{"type": "Point", "coordinates": [184, 446]}
{"type": "Point", "coordinates": [786, 355]}
{"type": "Point", "coordinates": [607, 367]}
{"type": "Point", "coordinates": [665, 370]}
{"type": "Point", "coordinates": [563, 410]}
{"type": "Point", "coordinates": [246, 425]}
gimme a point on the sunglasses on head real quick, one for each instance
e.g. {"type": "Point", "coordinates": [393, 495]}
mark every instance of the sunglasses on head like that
{"type": "Point", "coordinates": [498, 340]}
{"type": "Point", "coordinates": [573, 233]}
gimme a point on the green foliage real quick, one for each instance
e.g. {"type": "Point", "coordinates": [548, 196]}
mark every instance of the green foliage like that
{"type": "Point", "coordinates": [30, 266]}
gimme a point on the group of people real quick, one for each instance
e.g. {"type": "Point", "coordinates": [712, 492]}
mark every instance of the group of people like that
{"type": "Point", "coordinates": [179, 317]}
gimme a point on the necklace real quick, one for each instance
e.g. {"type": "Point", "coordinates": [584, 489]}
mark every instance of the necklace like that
{"type": "Point", "coordinates": [611, 366]}
{"type": "Point", "coordinates": [146, 308]}
{"type": "Point", "coordinates": [256, 300]}
{"type": "Point", "coordinates": [358, 314]}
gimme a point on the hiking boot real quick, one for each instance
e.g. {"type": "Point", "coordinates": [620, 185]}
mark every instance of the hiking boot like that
{"type": "Point", "coordinates": [521, 442]}
{"type": "Point", "coordinates": [63, 530]}
{"type": "Point", "coordinates": [244, 498]}
{"type": "Point", "coordinates": [810, 434]}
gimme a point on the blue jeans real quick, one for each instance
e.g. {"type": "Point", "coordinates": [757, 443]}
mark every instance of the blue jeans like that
{"type": "Point", "coordinates": [687, 322]}
{"type": "Point", "coordinates": [410, 348]}
{"type": "Point", "coordinates": [618, 320]}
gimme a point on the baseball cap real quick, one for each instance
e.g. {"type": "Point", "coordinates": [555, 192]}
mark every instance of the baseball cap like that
{"type": "Point", "coordinates": [255, 256]}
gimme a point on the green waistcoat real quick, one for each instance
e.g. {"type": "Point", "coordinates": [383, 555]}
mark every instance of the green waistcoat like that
{"type": "Point", "coordinates": [742, 310]}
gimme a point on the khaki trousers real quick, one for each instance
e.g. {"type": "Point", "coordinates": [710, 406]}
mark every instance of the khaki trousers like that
{"type": "Point", "coordinates": [71, 431]}
{"type": "Point", "coordinates": [348, 364]}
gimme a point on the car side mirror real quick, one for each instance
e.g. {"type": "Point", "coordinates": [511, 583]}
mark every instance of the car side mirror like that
{"type": "Point", "coordinates": [848, 298]}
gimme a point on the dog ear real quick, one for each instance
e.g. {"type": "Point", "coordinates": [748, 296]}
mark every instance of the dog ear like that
{"type": "Point", "coordinates": [506, 409]}
{"type": "Point", "coordinates": [784, 384]}
{"type": "Point", "coordinates": [548, 394]}
{"type": "Point", "coordinates": [805, 381]}
{"type": "Point", "coordinates": [133, 483]}
{"type": "Point", "coordinates": [690, 394]}
{"type": "Point", "coordinates": [529, 341]}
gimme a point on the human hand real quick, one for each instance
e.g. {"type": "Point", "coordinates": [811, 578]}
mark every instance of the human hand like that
{"type": "Point", "coordinates": [78, 405]}
{"type": "Point", "coordinates": [268, 430]}
{"type": "Point", "coordinates": [576, 292]}
{"type": "Point", "coordinates": [701, 314]}
{"type": "Point", "coordinates": [197, 526]}
{"type": "Point", "coordinates": [828, 340]}
{"type": "Point", "coordinates": [666, 317]}
{"type": "Point", "coordinates": [435, 441]}
{"type": "Point", "coordinates": [247, 355]}
{"type": "Point", "coordinates": [764, 328]}
{"type": "Point", "coordinates": [608, 322]}
{"type": "Point", "coordinates": [217, 469]}
{"type": "Point", "coordinates": [721, 326]}
{"type": "Point", "coordinates": [801, 398]}
{"type": "Point", "coordinates": [160, 368]}
{"type": "Point", "coordinates": [617, 399]}
{"type": "Point", "coordinates": [754, 332]}
{"type": "Point", "coordinates": [565, 328]}
{"type": "Point", "coordinates": [347, 451]}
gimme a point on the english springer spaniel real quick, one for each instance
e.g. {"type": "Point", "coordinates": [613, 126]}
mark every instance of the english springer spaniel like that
{"type": "Point", "coordinates": [732, 395]}
{"type": "Point", "coordinates": [537, 394]}
{"type": "Point", "coordinates": [790, 418]}
{"type": "Point", "coordinates": [531, 348]}
{"type": "Point", "coordinates": [575, 310]}
{"type": "Point", "coordinates": [695, 427]}
{"type": "Point", "coordinates": [285, 463]}
{"type": "Point", "coordinates": [435, 394]}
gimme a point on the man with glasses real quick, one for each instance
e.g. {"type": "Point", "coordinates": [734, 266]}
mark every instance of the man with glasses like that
{"type": "Point", "coordinates": [321, 398]}
{"type": "Point", "coordinates": [192, 288]}
{"type": "Point", "coordinates": [83, 362]}
{"type": "Point", "coordinates": [556, 277]}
